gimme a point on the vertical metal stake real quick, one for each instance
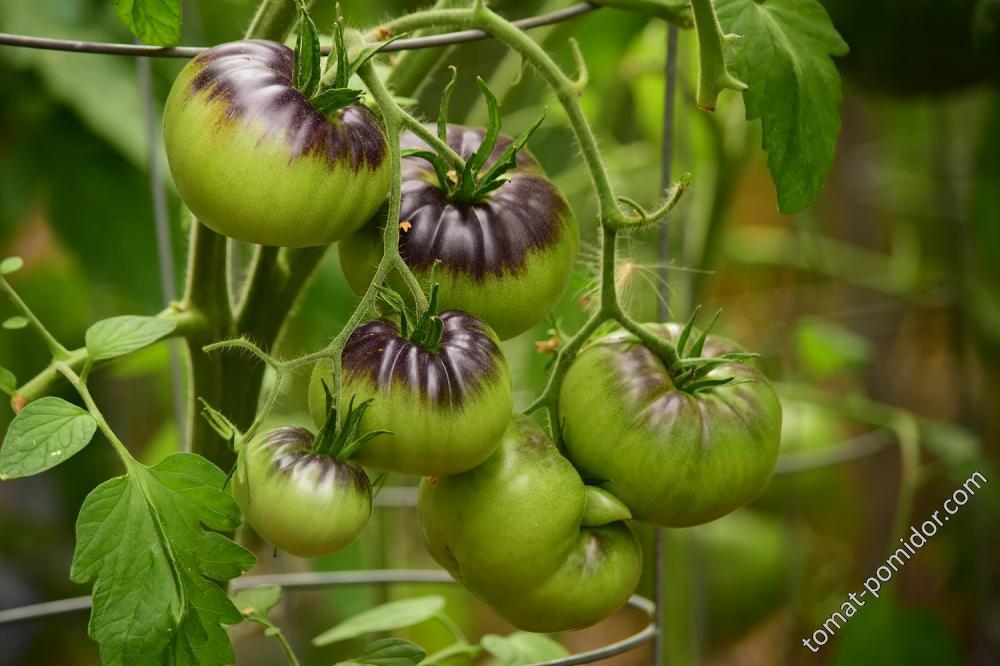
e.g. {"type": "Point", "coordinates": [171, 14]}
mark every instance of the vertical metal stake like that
{"type": "Point", "coordinates": [164, 246]}
{"type": "Point", "coordinates": [667, 157]}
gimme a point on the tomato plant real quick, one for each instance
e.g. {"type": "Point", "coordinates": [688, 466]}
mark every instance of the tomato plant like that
{"type": "Point", "coordinates": [459, 230]}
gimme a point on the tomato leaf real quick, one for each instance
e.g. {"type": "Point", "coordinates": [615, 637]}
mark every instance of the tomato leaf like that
{"type": "Point", "coordinates": [522, 648]}
{"type": "Point", "coordinates": [10, 265]}
{"type": "Point", "coordinates": [8, 382]}
{"type": "Point", "coordinates": [156, 22]}
{"type": "Point", "coordinates": [149, 541]}
{"type": "Point", "coordinates": [118, 336]}
{"type": "Point", "coordinates": [784, 56]}
{"type": "Point", "coordinates": [255, 603]}
{"type": "Point", "coordinates": [389, 652]}
{"type": "Point", "coordinates": [393, 615]}
{"type": "Point", "coordinates": [42, 435]}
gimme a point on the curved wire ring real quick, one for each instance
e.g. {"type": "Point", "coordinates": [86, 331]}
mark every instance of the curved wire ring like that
{"type": "Point", "coordinates": [312, 580]}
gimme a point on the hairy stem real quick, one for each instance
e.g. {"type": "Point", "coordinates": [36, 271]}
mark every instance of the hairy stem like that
{"type": "Point", "coordinates": [562, 86]}
{"type": "Point", "coordinates": [713, 75]}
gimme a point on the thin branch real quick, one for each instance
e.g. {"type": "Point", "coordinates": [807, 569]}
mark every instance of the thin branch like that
{"type": "Point", "coordinates": [446, 39]}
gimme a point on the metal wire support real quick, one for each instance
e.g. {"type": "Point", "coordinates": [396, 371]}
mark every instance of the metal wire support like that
{"type": "Point", "coordinates": [315, 580]}
{"type": "Point", "coordinates": [413, 43]}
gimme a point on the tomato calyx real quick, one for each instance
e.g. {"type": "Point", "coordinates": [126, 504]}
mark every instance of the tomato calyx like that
{"type": "Point", "coordinates": [690, 372]}
{"type": "Point", "coordinates": [338, 440]}
{"type": "Point", "coordinates": [426, 329]}
{"type": "Point", "coordinates": [603, 508]}
{"type": "Point", "coordinates": [327, 88]}
{"type": "Point", "coordinates": [474, 183]}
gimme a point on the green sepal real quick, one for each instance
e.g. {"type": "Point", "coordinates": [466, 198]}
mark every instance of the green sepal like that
{"type": "Point", "coordinates": [603, 508]}
{"type": "Point", "coordinates": [368, 53]}
{"type": "Point", "coordinates": [395, 301]}
{"type": "Point", "coordinates": [467, 184]}
{"type": "Point", "coordinates": [332, 99]}
{"type": "Point", "coordinates": [440, 166]}
{"type": "Point", "coordinates": [442, 124]}
{"type": "Point", "coordinates": [686, 332]}
{"type": "Point", "coordinates": [429, 328]}
{"type": "Point", "coordinates": [307, 72]}
{"type": "Point", "coordinates": [700, 342]}
{"type": "Point", "coordinates": [494, 178]}
{"type": "Point", "coordinates": [341, 441]}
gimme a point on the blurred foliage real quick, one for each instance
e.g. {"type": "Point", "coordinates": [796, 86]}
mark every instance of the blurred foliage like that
{"type": "Point", "coordinates": [887, 289]}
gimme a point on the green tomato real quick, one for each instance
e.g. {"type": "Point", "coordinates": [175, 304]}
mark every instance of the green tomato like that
{"type": "Point", "coordinates": [505, 259]}
{"type": "Point", "coordinates": [674, 458]}
{"type": "Point", "coordinates": [748, 572]}
{"type": "Point", "coordinates": [255, 161]}
{"type": "Point", "coordinates": [304, 503]}
{"type": "Point", "coordinates": [524, 534]}
{"type": "Point", "coordinates": [444, 409]}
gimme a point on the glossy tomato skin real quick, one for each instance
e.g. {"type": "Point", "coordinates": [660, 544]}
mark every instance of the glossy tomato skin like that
{"type": "Point", "coordinates": [511, 531]}
{"type": "Point", "coordinates": [255, 161]}
{"type": "Point", "coordinates": [446, 408]}
{"type": "Point", "coordinates": [674, 458]}
{"type": "Point", "coordinates": [303, 503]}
{"type": "Point", "coordinates": [506, 260]}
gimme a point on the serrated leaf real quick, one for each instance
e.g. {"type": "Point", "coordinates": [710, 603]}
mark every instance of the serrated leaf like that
{"type": "Point", "coordinates": [389, 652]}
{"type": "Point", "coordinates": [118, 336]}
{"type": "Point", "coordinates": [15, 323]}
{"type": "Point", "coordinates": [10, 265]}
{"type": "Point", "coordinates": [257, 602]}
{"type": "Point", "coordinates": [393, 615]}
{"type": "Point", "coordinates": [156, 22]}
{"type": "Point", "coordinates": [8, 382]}
{"type": "Point", "coordinates": [45, 433]}
{"type": "Point", "coordinates": [150, 542]}
{"type": "Point", "coordinates": [522, 648]}
{"type": "Point", "coordinates": [784, 55]}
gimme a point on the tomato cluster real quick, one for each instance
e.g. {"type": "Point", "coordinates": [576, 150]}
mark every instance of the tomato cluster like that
{"type": "Point", "coordinates": [539, 531]}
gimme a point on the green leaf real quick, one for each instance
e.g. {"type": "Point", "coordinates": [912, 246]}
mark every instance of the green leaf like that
{"type": "Point", "coordinates": [887, 635]}
{"type": "Point", "coordinates": [118, 336]}
{"type": "Point", "coordinates": [389, 652]}
{"type": "Point", "coordinates": [150, 542]}
{"type": "Point", "coordinates": [522, 648]}
{"type": "Point", "coordinates": [10, 265]}
{"type": "Point", "coordinates": [825, 348]}
{"type": "Point", "coordinates": [256, 602]}
{"type": "Point", "coordinates": [784, 56]}
{"type": "Point", "coordinates": [393, 615]}
{"type": "Point", "coordinates": [8, 382]}
{"type": "Point", "coordinates": [156, 22]}
{"type": "Point", "coordinates": [42, 435]}
{"type": "Point", "coordinates": [15, 323]}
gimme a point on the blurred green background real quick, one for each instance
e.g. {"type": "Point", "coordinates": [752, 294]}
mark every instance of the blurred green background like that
{"type": "Point", "coordinates": [877, 311]}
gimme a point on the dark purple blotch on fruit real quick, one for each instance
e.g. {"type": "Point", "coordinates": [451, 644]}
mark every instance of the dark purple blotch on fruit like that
{"type": "Point", "coordinates": [254, 77]}
{"type": "Point", "coordinates": [466, 359]}
{"type": "Point", "coordinates": [483, 238]}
